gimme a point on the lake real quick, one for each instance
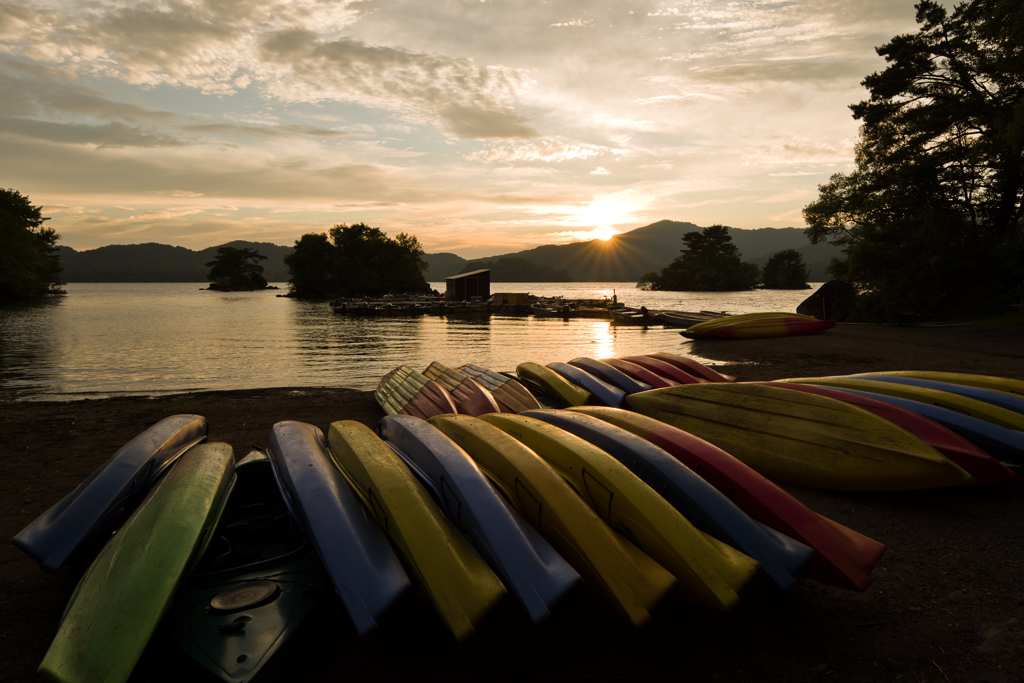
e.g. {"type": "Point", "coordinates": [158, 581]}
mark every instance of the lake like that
{"type": "Point", "coordinates": [155, 338]}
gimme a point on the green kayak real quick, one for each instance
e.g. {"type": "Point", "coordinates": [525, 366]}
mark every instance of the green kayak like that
{"type": "Point", "coordinates": [124, 593]}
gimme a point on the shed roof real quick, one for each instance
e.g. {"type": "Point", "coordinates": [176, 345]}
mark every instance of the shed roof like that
{"type": "Point", "coordinates": [469, 274]}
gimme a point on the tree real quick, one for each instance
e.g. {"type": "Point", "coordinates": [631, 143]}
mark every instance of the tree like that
{"type": "Point", "coordinates": [710, 263]}
{"type": "Point", "coordinates": [236, 269]}
{"type": "Point", "coordinates": [931, 219]}
{"type": "Point", "coordinates": [29, 263]}
{"type": "Point", "coordinates": [785, 270]}
{"type": "Point", "coordinates": [355, 260]}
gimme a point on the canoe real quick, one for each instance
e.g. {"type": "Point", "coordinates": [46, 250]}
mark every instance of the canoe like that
{"type": "Point", "coordinates": [601, 392]}
{"type": "Point", "coordinates": [404, 391]}
{"type": "Point", "coordinates": [626, 579]}
{"type": "Point", "coordinates": [690, 366]}
{"type": "Point", "coordinates": [995, 397]}
{"type": "Point", "coordinates": [743, 317]}
{"type": "Point", "coordinates": [512, 397]}
{"type": "Point", "coordinates": [842, 557]}
{"type": "Point", "coordinates": [800, 438]}
{"type": "Point", "coordinates": [617, 378]}
{"type": "Point", "coordinates": [1004, 384]}
{"type": "Point", "coordinates": [936, 397]}
{"type": "Point", "coordinates": [660, 367]}
{"type": "Point", "coordinates": [442, 562]}
{"type": "Point", "coordinates": [709, 572]}
{"type": "Point", "coordinates": [760, 328]}
{"type": "Point", "coordinates": [527, 564]}
{"type": "Point", "coordinates": [983, 467]}
{"type": "Point", "coordinates": [126, 590]}
{"type": "Point", "coordinates": [1005, 445]}
{"type": "Point", "coordinates": [559, 389]}
{"type": "Point", "coordinates": [780, 557]}
{"type": "Point", "coordinates": [362, 565]}
{"type": "Point", "coordinates": [257, 581]}
{"type": "Point", "coordinates": [86, 515]}
{"type": "Point", "coordinates": [469, 397]}
{"type": "Point", "coordinates": [639, 373]}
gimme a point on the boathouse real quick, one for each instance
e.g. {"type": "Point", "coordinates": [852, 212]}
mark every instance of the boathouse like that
{"type": "Point", "coordinates": [466, 286]}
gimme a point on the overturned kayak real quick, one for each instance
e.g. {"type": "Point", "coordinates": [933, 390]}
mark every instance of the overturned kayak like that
{"type": "Point", "coordinates": [404, 391]}
{"type": "Point", "coordinates": [605, 372]}
{"type": "Point", "coordinates": [801, 438]}
{"type": "Point", "coordinates": [1004, 384]}
{"type": "Point", "coordinates": [993, 396]}
{"type": "Point", "coordinates": [766, 327]}
{"type": "Point", "coordinates": [842, 557]}
{"type": "Point", "coordinates": [559, 389]}
{"type": "Point", "coordinates": [525, 562]}
{"type": "Point", "coordinates": [667, 370]}
{"type": "Point", "coordinates": [641, 374]}
{"type": "Point", "coordinates": [512, 397]}
{"type": "Point", "coordinates": [443, 563]}
{"type": "Point", "coordinates": [690, 366]}
{"type": "Point", "coordinates": [126, 590]}
{"type": "Point", "coordinates": [700, 502]}
{"type": "Point", "coordinates": [469, 397]}
{"type": "Point", "coordinates": [89, 512]}
{"type": "Point", "coordinates": [629, 581]}
{"type": "Point", "coordinates": [601, 392]}
{"type": "Point", "coordinates": [710, 573]}
{"type": "Point", "coordinates": [253, 587]}
{"type": "Point", "coordinates": [363, 567]}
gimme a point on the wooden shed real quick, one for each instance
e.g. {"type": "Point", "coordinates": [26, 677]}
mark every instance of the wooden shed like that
{"type": "Point", "coordinates": [468, 285]}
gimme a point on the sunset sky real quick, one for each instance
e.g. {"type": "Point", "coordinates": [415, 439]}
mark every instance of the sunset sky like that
{"type": "Point", "coordinates": [480, 126]}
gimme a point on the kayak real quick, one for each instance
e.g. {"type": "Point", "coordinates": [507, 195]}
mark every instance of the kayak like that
{"type": "Point", "coordinates": [554, 385]}
{"type": "Point", "coordinates": [512, 397]}
{"type": "Point", "coordinates": [641, 374]}
{"type": "Point", "coordinates": [404, 391]}
{"type": "Point", "coordinates": [983, 467]}
{"type": "Point", "coordinates": [442, 561]}
{"type": "Point", "coordinates": [120, 599]}
{"type": "Point", "coordinates": [943, 399]}
{"type": "Point", "coordinates": [526, 563]}
{"type": "Point", "coordinates": [86, 515]}
{"type": "Point", "coordinates": [761, 328]}
{"type": "Point", "coordinates": [363, 567]}
{"type": "Point", "coordinates": [802, 439]}
{"type": "Point", "coordinates": [745, 317]}
{"type": "Point", "coordinates": [780, 557]}
{"type": "Point", "coordinates": [993, 396]}
{"type": "Point", "coordinates": [469, 397]}
{"type": "Point", "coordinates": [626, 579]}
{"type": "Point", "coordinates": [254, 586]}
{"type": "Point", "coordinates": [601, 392]}
{"type": "Point", "coordinates": [664, 369]}
{"type": "Point", "coordinates": [691, 367]}
{"type": "Point", "coordinates": [842, 557]}
{"type": "Point", "coordinates": [1004, 384]}
{"type": "Point", "coordinates": [709, 572]}
{"type": "Point", "coordinates": [617, 378]}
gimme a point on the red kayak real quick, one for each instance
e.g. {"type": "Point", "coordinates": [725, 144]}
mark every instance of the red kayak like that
{"type": "Point", "coordinates": [690, 366]}
{"type": "Point", "coordinates": [842, 557]}
{"type": "Point", "coordinates": [469, 397]}
{"type": "Point", "coordinates": [404, 391]}
{"type": "Point", "coordinates": [660, 367]}
{"type": "Point", "coordinates": [640, 374]}
{"type": "Point", "coordinates": [983, 467]}
{"type": "Point", "coordinates": [763, 328]}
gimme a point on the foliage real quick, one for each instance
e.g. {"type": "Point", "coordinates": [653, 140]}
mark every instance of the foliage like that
{"type": "Point", "coordinates": [931, 218]}
{"type": "Point", "coordinates": [518, 269]}
{"type": "Point", "coordinates": [785, 270]}
{"type": "Point", "coordinates": [236, 269]}
{"type": "Point", "coordinates": [356, 260]}
{"type": "Point", "coordinates": [710, 263]}
{"type": "Point", "coordinates": [29, 263]}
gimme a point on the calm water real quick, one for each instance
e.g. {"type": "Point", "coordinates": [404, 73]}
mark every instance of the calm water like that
{"type": "Point", "coordinates": [107, 339]}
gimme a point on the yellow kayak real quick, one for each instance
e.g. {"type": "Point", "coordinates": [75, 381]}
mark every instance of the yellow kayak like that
{"type": "Point", "coordinates": [556, 386]}
{"type": "Point", "coordinates": [445, 565]}
{"type": "Point", "coordinates": [1003, 384]}
{"type": "Point", "coordinates": [710, 573]}
{"type": "Point", "coordinates": [802, 438]}
{"type": "Point", "coordinates": [623, 576]}
{"type": "Point", "coordinates": [936, 397]}
{"type": "Point", "coordinates": [730, 319]}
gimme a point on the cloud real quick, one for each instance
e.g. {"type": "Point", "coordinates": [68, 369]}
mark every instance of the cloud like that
{"type": "Point", "coordinates": [549, 151]}
{"type": "Point", "coordinates": [112, 134]}
{"type": "Point", "coordinates": [289, 130]}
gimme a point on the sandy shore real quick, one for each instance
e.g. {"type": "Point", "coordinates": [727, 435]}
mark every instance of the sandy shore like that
{"type": "Point", "coordinates": [946, 605]}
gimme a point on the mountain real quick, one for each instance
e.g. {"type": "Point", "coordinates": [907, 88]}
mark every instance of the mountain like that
{"type": "Point", "coordinates": [160, 262]}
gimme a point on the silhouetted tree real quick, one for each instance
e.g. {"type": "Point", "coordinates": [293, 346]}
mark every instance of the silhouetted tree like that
{"type": "Point", "coordinates": [785, 270]}
{"type": "Point", "coordinates": [236, 269]}
{"type": "Point", "coordinates": [710, 263]}
{"type": "Point", "coordinates": [29, 263]}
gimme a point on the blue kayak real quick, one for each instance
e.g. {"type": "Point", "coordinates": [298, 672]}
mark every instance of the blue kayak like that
{"type": "Point", "coordinates": [617, 378]}
{"type": "Point", "coordinates": [603, 393]}
{"type": "Point", "coordinates": [526, 563]}
{"type": "Point", "coordinates": [702, 504]}
{"type": "Point", "coordinates": [1003, 444]}
{"type": "Point", "coordinates": [996, 398]}
{"type": "Point", "coordinates": [90, 512]}
{"type": "Point", "coordinates": [361, 562]}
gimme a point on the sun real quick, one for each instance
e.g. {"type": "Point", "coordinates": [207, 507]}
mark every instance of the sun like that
{"type": "Point", "coordinates": [604, 234]}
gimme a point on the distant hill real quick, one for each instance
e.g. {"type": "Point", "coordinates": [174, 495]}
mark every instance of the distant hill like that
{"type": "Point", "coordinates": [515, 269]}
{"type": "Point", "coordinates": [160, 262]}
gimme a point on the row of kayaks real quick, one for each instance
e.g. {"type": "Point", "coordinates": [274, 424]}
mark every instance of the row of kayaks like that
{"type": "Point", "coordinates": [758, 326]}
